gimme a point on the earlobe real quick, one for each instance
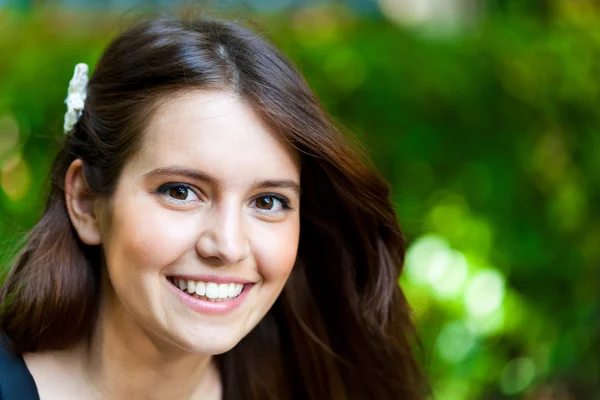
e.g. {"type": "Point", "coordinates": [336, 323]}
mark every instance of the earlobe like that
{"type": "Point", "coordinates": [80, 205]}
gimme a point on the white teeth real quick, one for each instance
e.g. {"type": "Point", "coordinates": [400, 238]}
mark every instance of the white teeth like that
{"type": "Point", "coordinates": [200, 289]}
{"type": "Point", "coordinates": [223, 290]}
{"type": "Point", "coordinates": [212, 290]}
{"type": "Point", "coordinates": [191, 287]}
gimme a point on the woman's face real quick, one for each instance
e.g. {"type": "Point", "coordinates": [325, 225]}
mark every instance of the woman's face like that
{"type": "Point", "coordinates": [203, 228]}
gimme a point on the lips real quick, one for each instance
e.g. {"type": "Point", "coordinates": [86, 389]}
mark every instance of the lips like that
{"type": "Point", "coordinates": [223, 303]}
{"type": "Point", "coordinates": [210, 291]}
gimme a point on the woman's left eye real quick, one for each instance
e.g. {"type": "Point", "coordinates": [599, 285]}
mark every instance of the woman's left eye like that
{"type": "Point", "coordinates": [272, 203]}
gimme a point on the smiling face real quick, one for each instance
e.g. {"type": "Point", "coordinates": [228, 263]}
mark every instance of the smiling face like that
{"type": "Point", "coordinates": [209, 204]}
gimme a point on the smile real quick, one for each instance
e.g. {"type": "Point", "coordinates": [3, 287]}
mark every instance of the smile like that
{"type": "Point", "coordinates": [208, 297]}
{"type": "Point", "coordinates": [209, 291]}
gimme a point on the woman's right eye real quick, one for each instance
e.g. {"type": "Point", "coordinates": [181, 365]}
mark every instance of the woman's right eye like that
{"type": "Point", "coordinates": [177, 193]}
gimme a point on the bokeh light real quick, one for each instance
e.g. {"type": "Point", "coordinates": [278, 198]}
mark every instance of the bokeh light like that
{"type": "Point", "coordinates": [517, 375]}
{"type": "Point", "coordinates": [455, 341]}
{"type": "Point", "coordinates": [15, 178]}
{"type": "Point", "coordinates": [9, 135]}
{"type": "Point", "coordinates": [484, 293]}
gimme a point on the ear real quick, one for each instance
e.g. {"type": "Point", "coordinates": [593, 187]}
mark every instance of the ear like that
{"type": "Point", "coordinates": [81, 205]}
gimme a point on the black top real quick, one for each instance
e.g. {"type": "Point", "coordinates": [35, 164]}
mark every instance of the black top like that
{"type": "Point", "coordinates": [16, 382]}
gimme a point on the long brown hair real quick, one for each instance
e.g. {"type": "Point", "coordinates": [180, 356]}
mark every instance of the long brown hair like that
{"type": "Point", "coordinates": [341, 328]}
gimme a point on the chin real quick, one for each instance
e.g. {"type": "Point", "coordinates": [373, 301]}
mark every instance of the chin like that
{"type": "Point", "coordinates": [212, 349]}
{"type": "Point", "coordinates": [210, 344]}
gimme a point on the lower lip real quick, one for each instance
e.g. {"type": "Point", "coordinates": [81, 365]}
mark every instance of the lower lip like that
{"type": "Point", "coordinates": [211, 307]}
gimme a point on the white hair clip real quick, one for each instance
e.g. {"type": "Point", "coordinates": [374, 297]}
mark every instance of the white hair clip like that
{"type": "Point", "coordinates": [76, 96]}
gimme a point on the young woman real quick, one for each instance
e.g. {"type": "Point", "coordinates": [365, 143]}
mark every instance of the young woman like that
{"type": "Point", "coordinates": [209, 235]}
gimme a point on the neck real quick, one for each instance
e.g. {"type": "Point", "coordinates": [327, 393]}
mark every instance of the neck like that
{"type": "Point", "coordinates": [123, 360]}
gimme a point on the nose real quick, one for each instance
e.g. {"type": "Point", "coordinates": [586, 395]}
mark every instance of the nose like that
{"type": "Point", "coordinates": [223, 236]}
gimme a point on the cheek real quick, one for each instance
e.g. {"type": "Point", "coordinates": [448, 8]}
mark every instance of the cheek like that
{"type": "Point", "coordinates": [144, 237]}
{"type": "Point", "coordinates": [276, 250]}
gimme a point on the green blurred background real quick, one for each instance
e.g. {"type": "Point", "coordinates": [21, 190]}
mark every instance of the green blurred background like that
{"type": "Point", "coordinates": [484, 117]}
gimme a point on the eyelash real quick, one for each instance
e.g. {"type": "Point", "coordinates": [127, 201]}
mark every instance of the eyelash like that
{"type": "Point", "coordinates": [285, 204]}
{"type": "Point", "coordinates": [163, 190]}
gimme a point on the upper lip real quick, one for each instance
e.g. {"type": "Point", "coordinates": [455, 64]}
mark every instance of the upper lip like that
{"type": "Point", "coordinates": [212, 278]}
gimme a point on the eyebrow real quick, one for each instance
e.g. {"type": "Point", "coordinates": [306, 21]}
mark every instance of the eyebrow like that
{"type": "Point", "coordinates": [200, 176]}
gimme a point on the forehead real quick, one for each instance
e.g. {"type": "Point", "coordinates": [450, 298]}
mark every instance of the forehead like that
{"type": "Point", "coordinates": [218, 133]}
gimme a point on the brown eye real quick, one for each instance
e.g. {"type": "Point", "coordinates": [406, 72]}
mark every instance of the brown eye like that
{"type": "Point", "coordinates": [179, 192]}
{"type": "Point", "coordinates": [265, 203]}
{"type": "Point", "coordinates": [268, 204]}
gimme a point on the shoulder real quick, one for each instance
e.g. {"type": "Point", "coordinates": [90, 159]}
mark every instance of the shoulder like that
{"type": "Point", "coordinates": [15, 380]}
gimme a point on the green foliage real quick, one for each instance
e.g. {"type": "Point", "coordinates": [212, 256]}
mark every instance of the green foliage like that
{"type": "Point", "coordinates": [489, 139]}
